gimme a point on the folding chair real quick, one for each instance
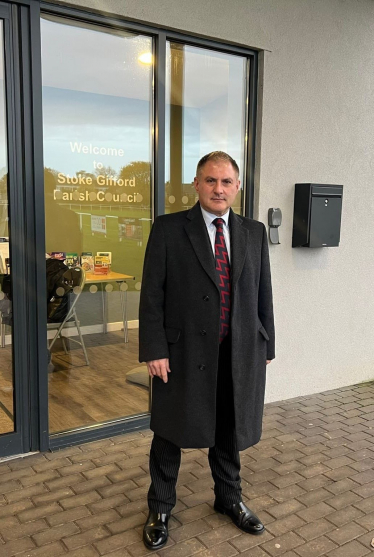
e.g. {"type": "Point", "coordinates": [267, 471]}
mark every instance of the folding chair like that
{"type": "Point", "coordinates": [5, 308]}
{"type": "Point", "coordinates": [74, 280]}
{"type": "Point", "coordinates": [5, 319]}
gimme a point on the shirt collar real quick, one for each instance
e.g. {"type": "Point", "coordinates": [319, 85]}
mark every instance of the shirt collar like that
{"type": "Point", "coordinates": [209, 217]}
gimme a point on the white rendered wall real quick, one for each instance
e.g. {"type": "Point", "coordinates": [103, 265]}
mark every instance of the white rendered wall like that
{"type": "Point", "coordinates": [317, 125]}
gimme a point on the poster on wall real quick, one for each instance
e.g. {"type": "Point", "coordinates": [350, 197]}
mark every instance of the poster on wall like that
{"type": "Point", "coordinates": [98, 224]}
{"type": "Point", "coordinates": [131, 229]}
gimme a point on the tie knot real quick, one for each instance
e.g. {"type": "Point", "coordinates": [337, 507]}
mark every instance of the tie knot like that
{"type": "Point", "coordinates": [218, 223]}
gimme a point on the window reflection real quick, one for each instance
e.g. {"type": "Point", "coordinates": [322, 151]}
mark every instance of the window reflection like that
{"type": "Point", "coordinates": [97, 113]}
{"type": "Point", "coordinates": [205, 111]}
{"type": "Point", "coordinates": [6, 317]}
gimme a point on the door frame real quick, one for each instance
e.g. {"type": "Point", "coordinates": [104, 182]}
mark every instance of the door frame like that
{"type": "Point", "coordinates": [160, 37]}
{"type": "Point", "coordinates": [27, 206]}
{"type": "Point", "coordinates": [20, 53]}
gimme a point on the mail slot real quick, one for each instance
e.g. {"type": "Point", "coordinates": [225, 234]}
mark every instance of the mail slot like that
{"type": "Point", "coordinates": [317, 215]}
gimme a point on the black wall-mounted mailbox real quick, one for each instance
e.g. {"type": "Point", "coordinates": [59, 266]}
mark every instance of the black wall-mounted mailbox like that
{"type": "Point", "coordinates": [317, 215]}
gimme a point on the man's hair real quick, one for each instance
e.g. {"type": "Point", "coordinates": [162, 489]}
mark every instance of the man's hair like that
{"type": "Point", "coordinates": [216, 156]}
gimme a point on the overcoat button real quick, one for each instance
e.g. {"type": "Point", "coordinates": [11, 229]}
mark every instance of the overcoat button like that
{"type": "Point", "coordinates": [206, 298]}
{"type": "Point", "coordinates": [201, 367]}
{"type": "Point", "coordinates": [203, 333]}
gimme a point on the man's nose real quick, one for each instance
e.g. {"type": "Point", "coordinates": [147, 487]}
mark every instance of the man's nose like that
{"type": "Point", "coordinates": [218, 187]}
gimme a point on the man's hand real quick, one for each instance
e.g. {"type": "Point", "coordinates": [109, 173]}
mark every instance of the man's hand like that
{"type": "Point", "coordinates": [159, 368]}
{"type": "Point", "coordinates": [268, 362]}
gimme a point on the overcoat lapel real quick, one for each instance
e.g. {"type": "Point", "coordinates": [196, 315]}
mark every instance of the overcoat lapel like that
{"type": "Point", "coordinates": [239, 238]}
{"type": "Point", "coordinates": [198, 235]}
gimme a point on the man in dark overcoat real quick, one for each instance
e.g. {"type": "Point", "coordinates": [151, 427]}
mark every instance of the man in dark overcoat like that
{"type": "Point", "coordinates": [206, 332]}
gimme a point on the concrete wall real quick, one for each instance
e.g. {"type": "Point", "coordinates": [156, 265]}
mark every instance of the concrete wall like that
{"type": "Point", "coordinates": [317, 125]}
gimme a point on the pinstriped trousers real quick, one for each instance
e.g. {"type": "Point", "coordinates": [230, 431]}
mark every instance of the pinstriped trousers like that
{"type": "Point", "coordinates": [223, 457]}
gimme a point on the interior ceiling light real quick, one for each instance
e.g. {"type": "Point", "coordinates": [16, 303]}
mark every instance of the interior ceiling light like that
{"type": "Point", "coordinates": [146, 58]}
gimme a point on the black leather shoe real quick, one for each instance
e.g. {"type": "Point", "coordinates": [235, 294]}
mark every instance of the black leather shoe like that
{"type": "Point", "coordinates": [155, 532]}
{"type": "Point", "coordinates": [242, 517]}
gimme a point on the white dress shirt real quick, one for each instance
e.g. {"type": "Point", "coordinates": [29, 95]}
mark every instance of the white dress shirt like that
{"type": "Point", "coordinates": [211, 228]}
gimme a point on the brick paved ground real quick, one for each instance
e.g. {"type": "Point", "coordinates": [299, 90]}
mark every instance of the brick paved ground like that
{"type": "Point", "coordinates": [311, 480]}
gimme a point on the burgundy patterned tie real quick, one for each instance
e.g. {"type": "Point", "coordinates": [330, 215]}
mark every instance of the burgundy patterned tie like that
{"type": "Point", "coordinates": [223, 270]}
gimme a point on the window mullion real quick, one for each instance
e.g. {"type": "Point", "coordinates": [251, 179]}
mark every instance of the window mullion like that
{"type": "Point", "coordinates": [159, 124]}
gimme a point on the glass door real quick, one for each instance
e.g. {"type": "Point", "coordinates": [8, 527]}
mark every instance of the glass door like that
{"type": "Point", "coordinates": [97, 134]}
{"type": "Point", "coordinates": [7, 406]}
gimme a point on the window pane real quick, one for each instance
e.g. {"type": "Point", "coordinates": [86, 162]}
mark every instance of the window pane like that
{"type": "Point", "coordinates": [6, 368]}
{"type": "Point", "coordinates": [205, 111]}
{"type": "Point", "coordinates": [97, 110]}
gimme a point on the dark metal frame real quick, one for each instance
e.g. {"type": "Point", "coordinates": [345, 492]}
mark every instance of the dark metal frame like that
{"type": "Point", "coordinates": [21, 20]}
{"type": "Point", "coordinates": [13, 442]}
{"type": "Point", "coordinates": [30, 341]}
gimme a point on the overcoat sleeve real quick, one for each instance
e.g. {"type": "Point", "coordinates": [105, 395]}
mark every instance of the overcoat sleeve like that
{"type": "Point", "coordinates": [265, 297]}
{"type": "Point", "coordinates": [152, 338]}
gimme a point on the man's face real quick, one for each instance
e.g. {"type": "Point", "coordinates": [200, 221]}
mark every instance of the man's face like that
{"type": "Point", "coordinates": [217, 185]}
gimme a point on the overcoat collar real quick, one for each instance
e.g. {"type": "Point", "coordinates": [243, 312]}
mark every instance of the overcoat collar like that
{"type": "Point", "coordinates": [198, 235]}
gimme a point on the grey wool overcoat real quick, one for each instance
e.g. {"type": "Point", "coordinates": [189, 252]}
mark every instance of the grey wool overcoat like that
{"type": "Point", "coordinates": [179, 319]}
